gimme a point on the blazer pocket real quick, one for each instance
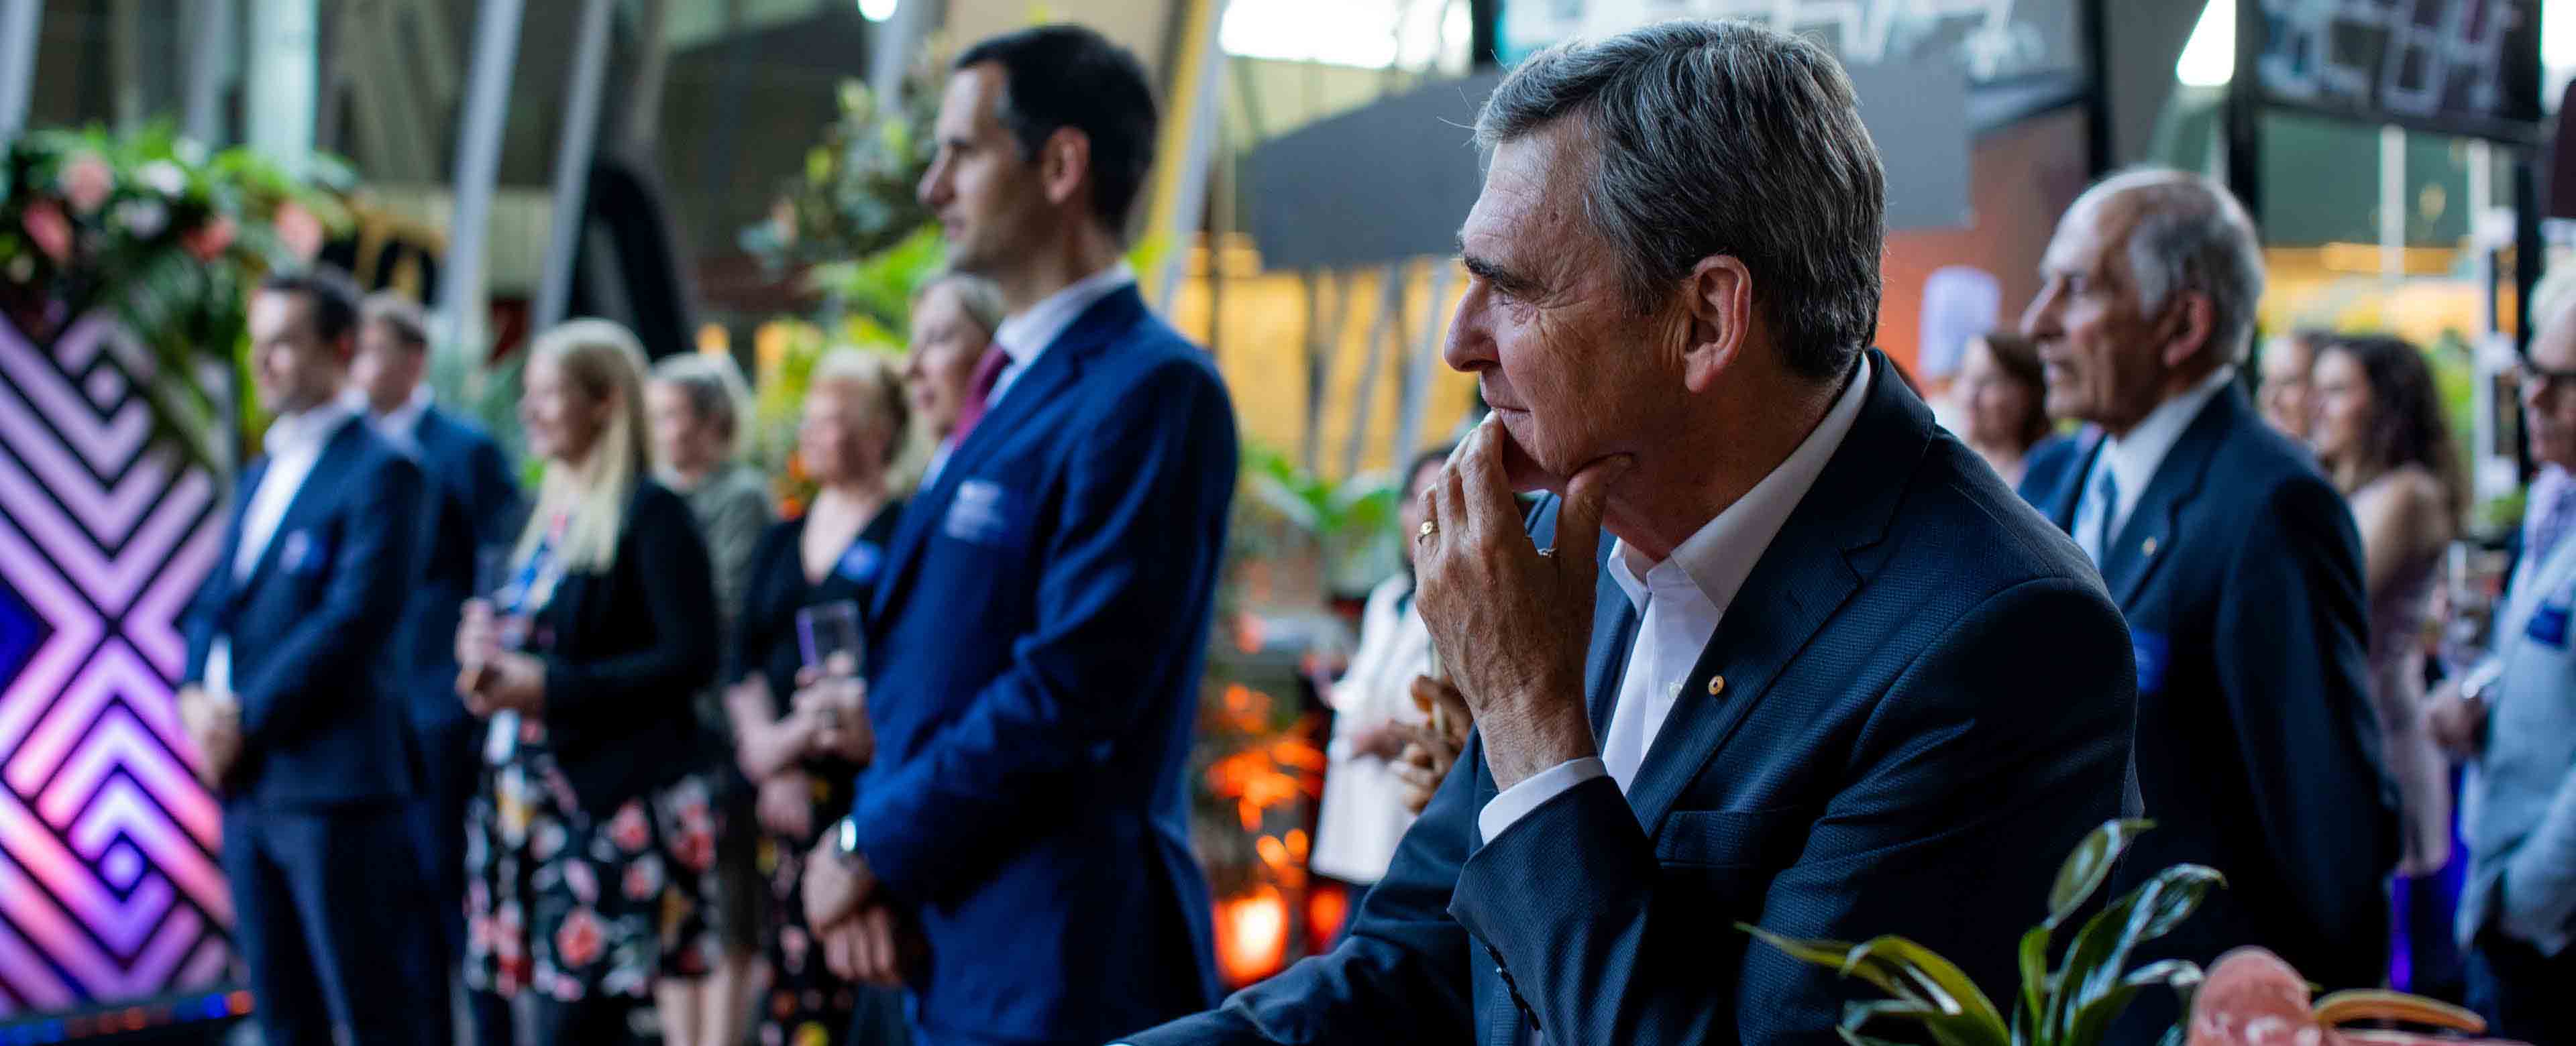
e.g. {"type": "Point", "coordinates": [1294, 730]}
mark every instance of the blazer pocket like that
{"type": "Point", "coordinates": [1735, 838]}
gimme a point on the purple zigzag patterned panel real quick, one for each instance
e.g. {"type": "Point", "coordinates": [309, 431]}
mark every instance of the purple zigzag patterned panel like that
{"type": "Point", "coordinates": [109, 884]}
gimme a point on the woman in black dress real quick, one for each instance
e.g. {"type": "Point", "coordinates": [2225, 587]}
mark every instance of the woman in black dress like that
{"type": "Point", "coordinates": [587, 841]}
{"type": "Point", "coordinates": [804, 756]}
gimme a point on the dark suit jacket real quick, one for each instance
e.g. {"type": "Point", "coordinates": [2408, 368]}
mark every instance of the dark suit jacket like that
{"type": "Point", "coordinates": [1927, 703]}
{"type": "Point", "coordinates": [471, 505]}
{"type": "Point", "coordinates": [314, 662]}
{"type": "Point", "coordinates": [1035, 651]}
{"type": "Point", "coordinates": [2240, 574]}
{"type": "Point", "coordinates": [631, 645]}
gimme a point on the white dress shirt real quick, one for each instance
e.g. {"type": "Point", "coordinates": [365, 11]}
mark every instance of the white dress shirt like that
{"type": "Point", "coordinates": [294, 444]}
{"type": "Point", "coordinates": [399, 426]}
{"type": "Point", "coordinates": [2132, 459]}
{"type": "Point", "coordinates": [1679, 602]}
{"type": "Point", "coordinates": [1025, 335]}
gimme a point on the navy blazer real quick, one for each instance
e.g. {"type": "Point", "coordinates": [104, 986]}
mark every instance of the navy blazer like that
{"type": "Point", "coordinates": [2258, 751]}
{"type": "Point", "coordinates": [472, 504]}
{"type": "Point", "coordinates": [314, 661]}
{"type": "Point", "coordinates": [1034, 659]}
{"type": "Point", "coordinates": [1927, 702]}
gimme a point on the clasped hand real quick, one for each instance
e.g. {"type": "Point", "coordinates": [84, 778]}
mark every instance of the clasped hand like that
{"type": "Point", "coordinates": [490, 679]}
{"type": "Point", "coordinates": [1511, 621]}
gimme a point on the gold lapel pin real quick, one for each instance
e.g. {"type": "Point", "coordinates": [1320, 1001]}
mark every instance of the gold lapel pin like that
{"type": "Point", "coordinates": [1716, 685]}
{"type": "Point", "coordinates": [2149, 547]}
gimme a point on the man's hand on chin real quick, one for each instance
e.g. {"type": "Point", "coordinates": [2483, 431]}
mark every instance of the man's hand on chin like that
{"type": "Point", "coordinates": [1512, 622]}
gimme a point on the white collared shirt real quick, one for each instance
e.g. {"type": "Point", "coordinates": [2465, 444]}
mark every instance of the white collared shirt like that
{"type": "Point", "coordinates": [294, 446]}
{"type": "Point", "coordinates": [1025, 335]}
{"type": "Point", "coordinates": [1680, 601]}
{"type": "Point", "coordinates": [2132, 459]}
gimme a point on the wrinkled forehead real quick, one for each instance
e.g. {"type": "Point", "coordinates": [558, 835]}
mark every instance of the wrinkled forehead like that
{"type": "Point", "coordinates": [1529, 215]}
{"type": "Point", "coordinates": [2092, 237]}
{"type": "Point", "coordinates": [2555, 346]}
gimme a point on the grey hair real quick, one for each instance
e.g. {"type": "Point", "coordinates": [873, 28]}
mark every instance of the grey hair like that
{"type": "Point", "coordinates": [982, 298]}
{"type": "Point", "coordinates": [714, 387]}
{"type": "Point", "coordinates": [2189, 234]}
{"type": "Point", "coordinates": [1722, 137]}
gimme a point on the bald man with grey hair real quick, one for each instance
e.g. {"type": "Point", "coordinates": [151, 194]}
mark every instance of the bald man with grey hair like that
{"type": "Point", "coordinates": [1790, 688]}
{"type": "Point", "coordinates": [2238, 569]}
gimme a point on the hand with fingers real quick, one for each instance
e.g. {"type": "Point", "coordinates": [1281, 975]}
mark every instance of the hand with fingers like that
{"type": "Point", "coordinates": [1512, 622]}
{"type": "Point", "coordinates": [1431, 747]}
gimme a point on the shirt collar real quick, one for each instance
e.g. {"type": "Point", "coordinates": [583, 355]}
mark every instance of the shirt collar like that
{"type": "Point", "coordinates": [1027, 333]}
{"type": "Point", "coordinates": [305, 431]}
{"type": "Point", "coordinates": [2134, 457]}
{"type": "Point", "coordinates": [1713, 563]}
{"type": "Point", "coordinates": [398, 422]}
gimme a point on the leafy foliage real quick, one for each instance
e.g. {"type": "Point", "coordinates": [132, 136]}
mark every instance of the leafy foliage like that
{"type": "Point", "coordinates": [170, 238]}
{"type": "Point", "coordinates": [2072, 1005]}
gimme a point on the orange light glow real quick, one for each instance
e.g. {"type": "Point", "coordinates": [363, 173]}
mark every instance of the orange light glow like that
{"type": "Point", "coordinates": [1251, 936]}
{"type": "Point", "coordinates": [1326, 907]}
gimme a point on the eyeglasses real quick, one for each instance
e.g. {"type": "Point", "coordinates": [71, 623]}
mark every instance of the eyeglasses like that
{"type": "Point", "coordinates": [2542, 379]}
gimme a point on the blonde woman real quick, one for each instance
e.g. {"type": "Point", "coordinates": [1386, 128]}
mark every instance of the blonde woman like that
{"type": "Point", "coordinates": [588, 839]}
{"type": "Point", "coordinates": [696, 403]}
{"type": "Point", "coordinates": [856, 416]}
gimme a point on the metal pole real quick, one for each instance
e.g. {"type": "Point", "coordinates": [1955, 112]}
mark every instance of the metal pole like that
{"type": "Point", "coordinates": [2392, 202]}
{"type": "Point", "coordinates": [209, 63]}
{"type": "Point", "coordinates": [580, 135]}
{"type": "Point", "coordinates": [285, 79]}
{"type": "Point", "coordinates": [18, 24]}
{"type": "Point", "coordinates": [2245, 113]}
{"type": "Point", "coordinates": [896, 38]}
{"type": "Point", "coordinates": [462, 298]}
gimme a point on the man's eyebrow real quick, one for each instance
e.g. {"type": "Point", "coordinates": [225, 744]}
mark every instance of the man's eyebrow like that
{"type": "Point", "coordinates": [1493, 272]}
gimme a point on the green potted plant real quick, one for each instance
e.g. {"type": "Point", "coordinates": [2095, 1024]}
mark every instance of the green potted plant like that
{"type": "Point", "coordinates": [2071, 1005]}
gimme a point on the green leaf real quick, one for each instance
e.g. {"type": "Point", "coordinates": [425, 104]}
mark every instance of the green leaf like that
{"type": "Point", "coordinates": [1941, 981]}
{"type": "Point", "coordinates": [2034, 975]}
{"type": "Point", "coordinates": [1836, 954]}
{"type": "Point", "coordinates": [1948, 1028]}
{"type": "Point", "coordinates": [2094, 1019]}
{"type": "Point", "coordinates": [2090, 951]}
{"type": "Point", "coordinates": [2089, 866]}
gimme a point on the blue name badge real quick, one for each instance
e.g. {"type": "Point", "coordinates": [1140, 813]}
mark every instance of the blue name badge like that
{"type": "Point", "coordinates": [301, 553]}
{"type": "Point", "coordinates": [2549, 626]}
{"type": "Point", "coordinates": [2151, 650]}
{"type": "Point", "coordinates": [860, 564]}
{"type": "Point", "coordinates": [983, 513]}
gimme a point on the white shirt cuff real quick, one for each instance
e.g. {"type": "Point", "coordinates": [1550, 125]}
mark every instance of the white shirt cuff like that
{"type": "Point", "coordinates": [1517, 801]}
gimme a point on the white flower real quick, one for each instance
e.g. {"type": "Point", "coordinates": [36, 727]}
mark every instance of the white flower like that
{"type": "Point", "coordinates": [143, 218]}
{"type": "Point", "coordinates": [191, 151]}
{"type": "Point", "coordinates": [163, 177]}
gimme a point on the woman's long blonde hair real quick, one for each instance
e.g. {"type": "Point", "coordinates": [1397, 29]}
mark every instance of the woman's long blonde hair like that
{"type": "Point", "coordinates": [604, 362]}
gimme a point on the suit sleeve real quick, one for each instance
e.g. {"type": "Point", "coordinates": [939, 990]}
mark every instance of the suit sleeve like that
{"type": "Point", "coordinates": [2290, 665]}
{"type": "Point", "coordinates": [663, 553]}
{"type": "Point", "coordinates": [1961, 760]}
{"type": "Point", "coordinates": [1399, 978]}
{"type": "Point", "coordinates": [371, 580]}
{"type": "Point", "coordinates": [1138, 534]}
{"type": "Point", "coordinates": [2536, 900]}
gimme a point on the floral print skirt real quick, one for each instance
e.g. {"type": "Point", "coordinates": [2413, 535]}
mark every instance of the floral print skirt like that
{"type": "Point", "coordinates": [574, 907]}
{"type": "Point", "coordinates": [807, 1005]}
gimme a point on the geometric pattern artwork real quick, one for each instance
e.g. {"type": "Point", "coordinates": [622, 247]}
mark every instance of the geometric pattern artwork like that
{"type": "Point", "coordinates": [110, 888]}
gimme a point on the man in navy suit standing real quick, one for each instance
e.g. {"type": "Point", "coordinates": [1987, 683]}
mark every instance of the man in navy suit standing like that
{"type": "Point", "coordinates": [1039, 628]}
{"type": "Point", "coordinates": [469, 505]}
{"type": "Point", "coordinates": [2238, 569]}
{"type": "Point", "coordinates": [293, 690]}
{"type": "Point", "coordinates": [1825, 675]}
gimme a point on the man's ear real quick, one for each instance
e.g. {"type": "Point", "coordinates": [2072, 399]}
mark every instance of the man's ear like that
{"type": "Point", "coordinates": [2189, 323]}
{"type": "Point", "coordinates": [1064, 164]}
{"type": "Point", "coordinates": [1718, 307]}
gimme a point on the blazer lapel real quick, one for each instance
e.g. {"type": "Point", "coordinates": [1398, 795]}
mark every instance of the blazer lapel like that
{"type": "Point", "coordinates": [1060, 366]}
{"type": "Point", "coordinates": [2147, 539]}
{"type": "Point", "coordinates": [310, 496]}
{"type": "Point", "coordinates": [1808, 572]}
{"type": "Point", "coordinates": [2070, 487]}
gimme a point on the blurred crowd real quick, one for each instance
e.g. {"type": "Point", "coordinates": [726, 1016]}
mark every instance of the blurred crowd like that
{"type": "Point", "coordinates": [909, 766]}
